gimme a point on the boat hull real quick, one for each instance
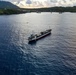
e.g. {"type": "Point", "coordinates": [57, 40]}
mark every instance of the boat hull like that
{"type": "Point", "coordinates": [40, 37]}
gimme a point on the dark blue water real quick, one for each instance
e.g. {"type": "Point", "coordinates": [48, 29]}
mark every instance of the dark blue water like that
{"type": "Point", "coordinates": [52, 55]}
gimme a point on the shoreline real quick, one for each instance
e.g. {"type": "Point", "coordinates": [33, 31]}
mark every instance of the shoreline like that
{"type": "Point", "coordinates": [38, 10]}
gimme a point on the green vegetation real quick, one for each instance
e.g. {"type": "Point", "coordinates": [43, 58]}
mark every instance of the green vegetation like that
{"type": "Point", "coordinates": [11, 11]}
{"type": "Point", "coordinates": [53, 9]}
{"type": "Point", "coordinates": [64, 9]}
{"type": "Point", "coordinates": [7, 8]}
{"type": "Point", "coordinates": [7, 5]}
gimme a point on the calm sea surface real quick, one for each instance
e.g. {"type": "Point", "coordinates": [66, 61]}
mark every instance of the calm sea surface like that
{"type": "Point", "coordinates": [52, 55]}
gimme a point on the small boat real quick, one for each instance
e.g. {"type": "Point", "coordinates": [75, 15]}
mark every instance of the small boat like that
{"type": "Point", "coordinates": [35, 37]}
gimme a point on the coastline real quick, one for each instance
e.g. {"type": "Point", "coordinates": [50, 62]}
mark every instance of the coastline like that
{"type": "Point", "coordinates": [38, 10]}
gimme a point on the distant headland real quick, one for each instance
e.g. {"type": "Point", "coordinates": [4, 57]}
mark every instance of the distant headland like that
{"type": "Point", "coordinates": [7, 8]}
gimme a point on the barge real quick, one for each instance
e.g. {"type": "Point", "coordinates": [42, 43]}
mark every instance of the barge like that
{"type": "Point", "coordinates": [35, 37]}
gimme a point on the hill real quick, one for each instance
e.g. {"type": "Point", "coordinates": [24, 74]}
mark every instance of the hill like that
{"type": "Point", "coordinates": [53, 9]}
{"type": "Point", "coordinates": [7, 5]}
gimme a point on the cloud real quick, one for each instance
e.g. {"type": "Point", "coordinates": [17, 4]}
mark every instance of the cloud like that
{"type": "Point", "coordinates": [44, 3]}
{"type": "Point", "coordinates": [28, 2]}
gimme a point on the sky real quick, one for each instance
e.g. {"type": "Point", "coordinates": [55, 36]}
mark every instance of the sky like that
{"type": "Point", "coordinates": [45, 2]}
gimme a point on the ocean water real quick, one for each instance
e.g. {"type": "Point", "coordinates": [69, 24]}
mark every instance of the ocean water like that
{"type": "Point", "coordinates": [52, 55]}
